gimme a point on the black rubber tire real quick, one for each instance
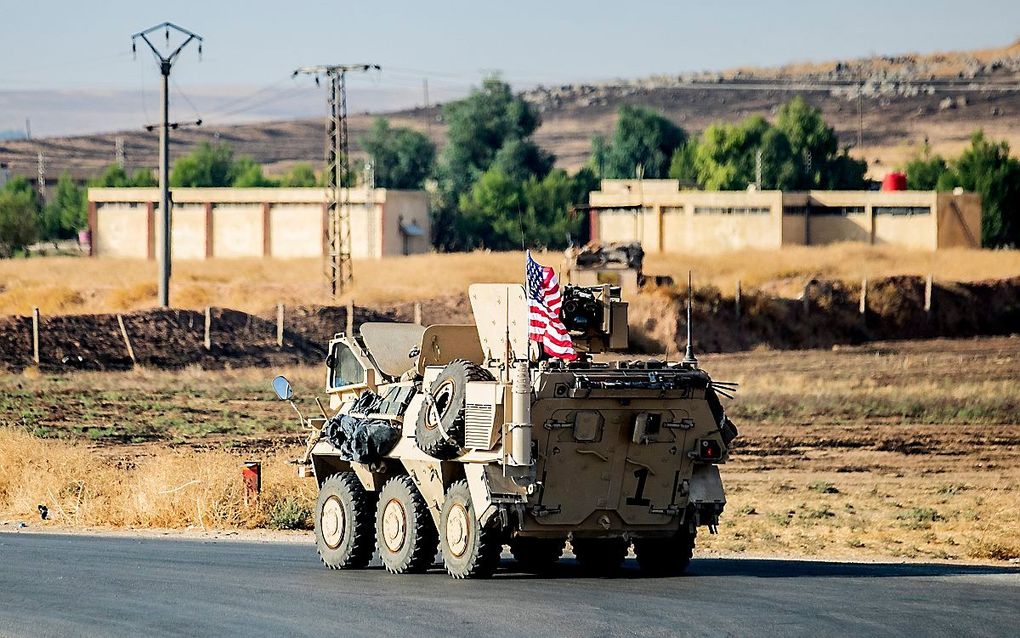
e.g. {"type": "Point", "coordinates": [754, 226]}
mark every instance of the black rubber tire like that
{"type": "Point", "coordinates": [354, 548]}
{"type": "Point", "coordinates": [600, 556]}
{"type": "Point", "coordinates": [481, 546]}
{"type": "Point", "coordinates": [439, 431]}
{"type": "Point", "coordinates": [537, 555]}
{"type": "Point", "coordinates": [414, 550]}
{"type": "Point", "coordinates": [665, 556]}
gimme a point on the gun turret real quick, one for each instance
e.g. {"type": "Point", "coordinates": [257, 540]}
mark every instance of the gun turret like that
{"type": "Point", "coordinates": [596, 317]}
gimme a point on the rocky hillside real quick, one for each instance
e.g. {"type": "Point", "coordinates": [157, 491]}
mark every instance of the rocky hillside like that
{"type": "Point", "coordinates": [905, 100]}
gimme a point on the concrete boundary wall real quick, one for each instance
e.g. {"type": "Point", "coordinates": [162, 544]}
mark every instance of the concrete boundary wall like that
{"type": "Point", "coordinates": [255, 222]}
{"type": "Point", "coordinates": [665, 218]}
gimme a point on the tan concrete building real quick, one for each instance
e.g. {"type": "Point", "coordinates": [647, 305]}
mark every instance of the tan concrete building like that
{"type": "Point", "coordinates": [665, 218]}
{"type": "Point", "coordinates": [254, 222]}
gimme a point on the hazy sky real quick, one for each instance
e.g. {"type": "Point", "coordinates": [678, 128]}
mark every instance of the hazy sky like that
{"type": "Point", "coordinates": [84, 47]}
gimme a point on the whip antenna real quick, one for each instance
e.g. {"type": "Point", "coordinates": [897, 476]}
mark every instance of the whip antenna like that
{"type": "Point", "coordinates": [689, 358]}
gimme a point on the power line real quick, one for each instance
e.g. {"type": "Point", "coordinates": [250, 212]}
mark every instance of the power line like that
{"type": "Point", "coordinates": [180, 92]}
{"type": "Point", "coordinates": [239, 102]}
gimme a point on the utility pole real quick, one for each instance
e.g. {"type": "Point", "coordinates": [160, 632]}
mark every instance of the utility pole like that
{"type": "Point", "coordinates": [166, 61]}
{"type": "Point", "coordinates": [338, 268]}
{"type": "Point", "coordinates": [860, 114]}
{"type": "Point", "coordinates": [118, 145]}
{"type": "Point", "coordinates": [757, 170]}
{"type": "Point", "coordinates": [41, 177]}
{"type": "Point", "coordinates": [428, 116]}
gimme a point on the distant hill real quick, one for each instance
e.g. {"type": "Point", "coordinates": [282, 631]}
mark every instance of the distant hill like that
{"type": "Point", "coordinates": [905, 100]}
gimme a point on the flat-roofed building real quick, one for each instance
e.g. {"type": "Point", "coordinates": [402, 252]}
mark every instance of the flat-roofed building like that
{"type": "Point", "coordinates": [255, 222]}
{"type": "Point", "coordinates": [665, 218]}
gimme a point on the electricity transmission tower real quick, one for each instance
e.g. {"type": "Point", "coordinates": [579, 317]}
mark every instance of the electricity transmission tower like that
{"type": "Point", "coordinates": [41, 172]}
{"type": "Point", "coordinates": [166, 58]}
{"type": "Point", "coordinates": [338, 269]}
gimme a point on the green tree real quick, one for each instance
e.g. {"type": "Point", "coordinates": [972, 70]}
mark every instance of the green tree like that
{"type": "Point", "coordinates": [66, 213]}
{"type": "Point", "coordinates": [402, 157]}
{"type": "Point", "coordinates": [599, 158]}
{"type": "Point", "coordinates": [214, 165]}
{"type": "Point", "coordinates": [301, 175]}
{"type": "Point", "coordinates": [798, 152]}
{"type": "Point", "coordinates": [923, 173]}
{"type": "Point", "coordinates": [247, 173]}
{"type": "Point", "coordinates": [115, 177]}
{"type": "Point", "coordinates": [208, 165]}
{"type": "Point", "coordinates": [490, 213]}
{"type": "Point", "coordinates": [585, 181]}
{"type": "Point", "coordinates": [522, 160]}
{"type": "Point", "coordinates": [501, 212]}
{"type": "Point", "coordinates": [642, 138]}
{"type": "Point", "coordinates": [548, 221]}
{"type": "Point", "coordinates": [843, 172]}
{"type": "Point", "coordinates": [19, 217]}
{"type": "Point", "coordinates": [143, 178]}
{"type": "Point", "coordinates": [478, 128]}
{"type": "Point", "coordinates": [724, 158]}
{"type": "Point", "coordinates": [816, 146]}
{"type": "Point", "coordinates": [985, 167]}
{"type": "Point", "coordinates": [683, 165]}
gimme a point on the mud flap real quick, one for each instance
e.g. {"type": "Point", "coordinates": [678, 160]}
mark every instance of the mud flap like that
{"type": "Point", "coordinates": [706, 486]}
{"type": "Point", "coordinates": [491, 491]}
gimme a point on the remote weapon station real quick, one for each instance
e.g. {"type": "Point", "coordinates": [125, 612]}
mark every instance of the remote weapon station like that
{"type": "Point", "coordinates": [468, 437]}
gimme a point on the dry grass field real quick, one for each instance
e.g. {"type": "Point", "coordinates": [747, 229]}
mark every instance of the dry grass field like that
{"type": "Point", "coordinates": [895, 449]}
{"type": "Point", "coordinates": [74, 285]}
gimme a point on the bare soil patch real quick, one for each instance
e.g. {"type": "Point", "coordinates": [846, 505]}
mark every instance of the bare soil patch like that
{"type": "Point", "coordinates": [906, 449]}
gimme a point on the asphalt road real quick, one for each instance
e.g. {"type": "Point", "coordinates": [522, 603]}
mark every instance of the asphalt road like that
{"type": "Point", "coordinates": [53, 585]}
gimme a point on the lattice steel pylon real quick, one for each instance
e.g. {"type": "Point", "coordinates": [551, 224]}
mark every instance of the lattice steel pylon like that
{"type": "Point", "coordinates": [337, 228]}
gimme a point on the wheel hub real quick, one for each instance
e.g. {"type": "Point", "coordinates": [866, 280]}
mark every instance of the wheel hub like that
{"type": "Point", "coordinates": [441, 400]}
{"type": "Point", "coordinates": [458, 526]}
{"type": "Point", "coordinates": [394, 525]}
{"type": "Point", "coordinates": [333, 522]}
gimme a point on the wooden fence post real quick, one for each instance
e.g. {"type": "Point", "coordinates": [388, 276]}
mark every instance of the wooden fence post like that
{"type": "Point", "coordinates": [864, 296]}
{"type": "Point", "coordinates": [928, 290]}
{"type": "Point", "coordinates": [279, 324]}
{"type": "Point", "coordinates": [417, 313]}
{"type": "Point", "coordinates": [208, 328]}
{"type": "Point", "coordinates": [736, 301]}
{"type": "Point", "coordinates": [350, 317]}
{"type": "Point", "coordinates": [127, 342]}
{"type": "Point", "coordinates": [35, 335]}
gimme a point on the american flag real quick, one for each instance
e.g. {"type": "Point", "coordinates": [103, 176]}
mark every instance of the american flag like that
{"type": "Point", "coordinates": [544, 302]}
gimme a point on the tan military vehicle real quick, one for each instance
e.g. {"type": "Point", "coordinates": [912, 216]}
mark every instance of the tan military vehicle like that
{"type": "Point", "coordinates": [465, 438]}
{"type": "Point", "coordinates": [616, 264]}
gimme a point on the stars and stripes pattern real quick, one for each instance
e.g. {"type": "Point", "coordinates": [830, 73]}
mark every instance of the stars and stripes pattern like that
{"type": "Point", "coordinates": [544, 302]}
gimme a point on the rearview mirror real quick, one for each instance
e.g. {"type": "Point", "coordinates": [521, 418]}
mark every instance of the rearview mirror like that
{"type": "Point", "coordinates": [282, 388]}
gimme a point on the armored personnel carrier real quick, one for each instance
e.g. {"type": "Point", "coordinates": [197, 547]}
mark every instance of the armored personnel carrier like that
{"type": "Point", "coordinates": [616, 263]}
{"type": "Point", "coordinates": [468, 437]}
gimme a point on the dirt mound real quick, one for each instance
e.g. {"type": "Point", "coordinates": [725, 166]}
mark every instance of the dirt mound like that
{"type": "Point", "coordinates": [828, 314]}
{"type": "Point", "coordinates": [176, 338]}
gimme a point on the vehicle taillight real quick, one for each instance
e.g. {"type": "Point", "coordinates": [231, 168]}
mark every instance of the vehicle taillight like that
{"type": "Point", "coordinates": [709, 450]}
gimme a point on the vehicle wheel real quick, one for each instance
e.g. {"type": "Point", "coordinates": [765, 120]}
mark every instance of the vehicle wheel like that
{"type": "Point", "coordinates": [469, 549]}
{"type": "Point", "coordinates": [439, 431]}
{"type": "Point", "coordinates": [537, 555]}
{"type": "Point", "coordinates": [600, 556]}
{"type": "Point", "coordinates": [665, 556]}
{"type": "Point", "coordinates": [344, 513]}
{"type": "Point", "coordinates": [405, 534]}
